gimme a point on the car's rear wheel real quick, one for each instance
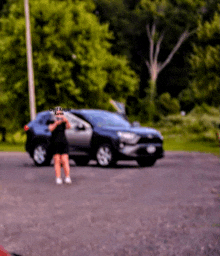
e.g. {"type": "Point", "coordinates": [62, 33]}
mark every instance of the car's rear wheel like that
{"type": "Point", "coordinates": [41, 155]}
{"type": "Point", "coordinates": [146, 162]}
{"type": "Point", "coordinates": [81, 161]}
{"type": "Point", "coordinates": [104, 155]}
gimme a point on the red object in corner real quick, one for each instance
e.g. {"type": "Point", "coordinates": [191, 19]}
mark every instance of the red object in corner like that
{"type": "Point", "coordinates": [26, 128]}
{"type": "Point", "coordinates": [3, 252]}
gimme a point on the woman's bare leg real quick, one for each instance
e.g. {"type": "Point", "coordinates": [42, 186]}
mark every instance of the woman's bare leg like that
{"type": "Point", "coordinates": [65, 163]}
{"type": "Point", "coordinates": [57, 165]}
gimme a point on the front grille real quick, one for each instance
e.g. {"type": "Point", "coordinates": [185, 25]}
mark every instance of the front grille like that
{"type": "Point", "coordinates": [149, 140]}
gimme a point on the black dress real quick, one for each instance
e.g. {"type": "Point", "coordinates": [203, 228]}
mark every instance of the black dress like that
{"type": "Point", "coordinates": [59, 144]}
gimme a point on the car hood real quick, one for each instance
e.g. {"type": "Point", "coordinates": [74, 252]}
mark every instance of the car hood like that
{"type": "Point", "coordinates": [142, 131]}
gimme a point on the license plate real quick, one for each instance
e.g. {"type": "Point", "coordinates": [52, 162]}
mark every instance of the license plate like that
{"type": "Point", "coordinates": [151, 149]}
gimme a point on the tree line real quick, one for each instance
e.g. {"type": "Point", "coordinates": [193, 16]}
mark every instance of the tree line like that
{"type": "Point", "coordinates": [156, 56]}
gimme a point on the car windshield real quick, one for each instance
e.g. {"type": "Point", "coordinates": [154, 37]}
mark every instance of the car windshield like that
{"type": "Point", "coordinates": [103, 118]}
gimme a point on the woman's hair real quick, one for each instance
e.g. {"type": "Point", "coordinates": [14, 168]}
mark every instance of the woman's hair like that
{"type": "Point", "coordinates": [58, 109]}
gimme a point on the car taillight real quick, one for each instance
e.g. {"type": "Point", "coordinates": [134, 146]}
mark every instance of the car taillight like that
{"type": "Point", "coordinates": [26, 128]}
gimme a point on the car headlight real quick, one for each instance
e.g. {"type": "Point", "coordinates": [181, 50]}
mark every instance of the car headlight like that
{"type": "Point", "coordinates": [128, 137]}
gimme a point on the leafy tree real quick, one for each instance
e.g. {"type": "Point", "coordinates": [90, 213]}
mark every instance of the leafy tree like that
{"type": "Point", "coordinates": [72, 60]}
{"type": "Point", "coordinates": [5, 5]}
{"type": "Point", "coordinates": [2, 3]}
{"type": "Point", "coordinates": [165, 14]}
{"type": "Point", "coordinates": [205, 61]}
{"type": "Point", "coordinates": [123, 22]}
{"type": "Point", "coordinates": [168, 21]}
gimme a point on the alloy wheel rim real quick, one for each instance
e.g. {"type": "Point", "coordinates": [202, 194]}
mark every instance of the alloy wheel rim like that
{"type": "Point", "coordinates": [39, 154]}
{"type": "Point", "coordinates": [104, 156]}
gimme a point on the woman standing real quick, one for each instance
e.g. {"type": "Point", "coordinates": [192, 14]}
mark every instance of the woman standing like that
{"type": "Point", "coordinates": [59, 146]}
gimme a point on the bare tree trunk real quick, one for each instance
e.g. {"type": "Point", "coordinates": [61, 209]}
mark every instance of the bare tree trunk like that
{"type": "Point", "coordinates": [151, 103]}
{"type": "Point", "coordinates": [155, 67]}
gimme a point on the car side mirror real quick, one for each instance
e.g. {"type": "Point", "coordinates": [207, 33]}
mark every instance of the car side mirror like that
{"type": "Point", "coordinates": [80, 127]}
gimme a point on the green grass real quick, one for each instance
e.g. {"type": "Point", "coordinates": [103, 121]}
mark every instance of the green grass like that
{"type": "Point", "coordinates": [179, 143]}
{"type": "Point", "coordinates": [6, 146]}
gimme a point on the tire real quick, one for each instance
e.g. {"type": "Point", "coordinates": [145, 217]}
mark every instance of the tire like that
{"type": "Point", "coordinates": [41, 155]}
{"type": "Point", "coordinates": [146, 162]}
{"type": "Point", "coordinates": [81, 161]}
{"type": "Point", "coordinates": [105, 156]}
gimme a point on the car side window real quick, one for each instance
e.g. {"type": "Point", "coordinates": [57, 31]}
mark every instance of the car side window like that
{"type": "Point", "coordinates": [75, 121]}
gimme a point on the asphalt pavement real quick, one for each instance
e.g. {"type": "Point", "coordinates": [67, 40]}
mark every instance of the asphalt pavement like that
{"type": "Point", "coordinates": [170, 209]}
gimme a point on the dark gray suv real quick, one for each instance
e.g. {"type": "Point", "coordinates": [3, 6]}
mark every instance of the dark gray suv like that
{"type": "Point", "coordinates": [95, 134]}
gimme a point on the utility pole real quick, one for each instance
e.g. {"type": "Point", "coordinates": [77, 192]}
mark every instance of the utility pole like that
{"type": "Point", "coordinates": [31, 89]}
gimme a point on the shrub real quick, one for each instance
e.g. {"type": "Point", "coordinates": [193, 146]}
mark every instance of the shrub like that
{"type": "Point", "coordinates": [167, 105]}
{"type": "Point", "coordinates": [202, 122]}
{"type": "Point", "coordinates": [187, 100]}
{"type": "Point", "coordinates": [204, 109]}
{"type": "Point", "coordinates": [171, 120]}
{"type": "Point", "coordinates": [18, 137]}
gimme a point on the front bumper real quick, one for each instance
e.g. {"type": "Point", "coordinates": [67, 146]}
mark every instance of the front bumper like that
{"type": "Point", "coordinates": [142, 150]}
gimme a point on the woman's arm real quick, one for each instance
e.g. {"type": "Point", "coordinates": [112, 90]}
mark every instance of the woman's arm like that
{"type": "Point", "coordinates": [54, 125]}
{"type": "Point", "coordinates": [68, 125]}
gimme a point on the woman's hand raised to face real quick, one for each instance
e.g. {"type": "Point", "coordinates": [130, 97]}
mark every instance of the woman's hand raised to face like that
{"type": "Point", "coordinates": [65, 119]}
{"type": "Point", "coordinates": [58, 122]}
{"type": "Point", "coordinates": [67, 122]}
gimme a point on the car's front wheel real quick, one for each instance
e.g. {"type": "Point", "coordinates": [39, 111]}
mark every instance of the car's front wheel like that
{"type": "Point", "coordinates": [104, 155]}
{"type": "Point", "coordinates": [41, 155]}
{"type": "Point", "coordinates": [146, 162]}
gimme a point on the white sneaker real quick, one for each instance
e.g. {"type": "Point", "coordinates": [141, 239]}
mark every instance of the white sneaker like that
{"type": "Point", "coordinates": [68, 180]}
{"type": "Point", "coordinates": [59, 181]}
